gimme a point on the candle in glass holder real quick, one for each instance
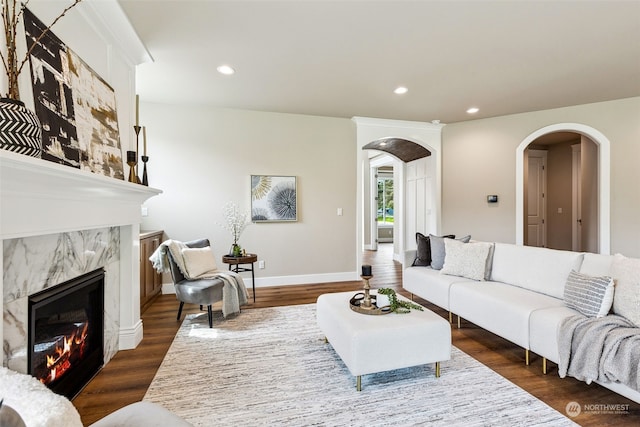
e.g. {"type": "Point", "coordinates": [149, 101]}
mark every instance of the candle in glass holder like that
{"type": "Point", "coordinates": [366, 270]}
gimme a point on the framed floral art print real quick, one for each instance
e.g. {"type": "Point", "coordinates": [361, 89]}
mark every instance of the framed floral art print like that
{"type": "Point", "coordinates": [273, 198]}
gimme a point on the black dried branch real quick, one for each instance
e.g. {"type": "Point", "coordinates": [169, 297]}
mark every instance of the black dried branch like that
{"type": "Point", "coordinates": [10, 19]}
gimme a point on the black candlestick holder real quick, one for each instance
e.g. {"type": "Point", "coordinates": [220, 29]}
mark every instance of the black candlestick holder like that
{"type": "Point", "coordinates": [137, 130]}
{"type": "Point", "coordinates": [145, 180]}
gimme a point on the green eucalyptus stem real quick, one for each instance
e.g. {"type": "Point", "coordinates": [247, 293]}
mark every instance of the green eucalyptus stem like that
{"type": "Point", "coordinates": [396, 305]}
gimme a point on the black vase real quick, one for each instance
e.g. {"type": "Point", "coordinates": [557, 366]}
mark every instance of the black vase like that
{"type": "Point", "coordinates": [20, 129]}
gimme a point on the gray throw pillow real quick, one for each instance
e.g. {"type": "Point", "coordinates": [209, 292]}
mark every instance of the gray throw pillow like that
{"type": "Point", "coordinates": [438, 251]}
{"type": "Point", "coordinates": [423, 250]}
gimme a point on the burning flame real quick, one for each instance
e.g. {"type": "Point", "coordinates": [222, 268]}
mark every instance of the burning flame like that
{"type": "Point", "coordinates": [60, 360]}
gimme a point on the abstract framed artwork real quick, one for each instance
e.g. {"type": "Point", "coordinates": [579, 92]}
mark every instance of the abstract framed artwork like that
{"type": "Point", "coordinates": [76, 107]}
{"type": "Point", "coordinates": [273, 198]}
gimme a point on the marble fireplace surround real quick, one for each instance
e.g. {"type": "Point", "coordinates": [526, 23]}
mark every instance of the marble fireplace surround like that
{"type": "Point", "coordinates": [56, 223]}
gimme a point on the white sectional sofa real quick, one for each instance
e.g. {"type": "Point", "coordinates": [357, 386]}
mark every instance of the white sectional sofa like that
{"type": "Point", "coordinates": [522, 299]}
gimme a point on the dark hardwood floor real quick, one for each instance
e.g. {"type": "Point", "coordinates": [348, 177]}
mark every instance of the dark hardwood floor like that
{"type": "Point", "coordinates": [126, 377]}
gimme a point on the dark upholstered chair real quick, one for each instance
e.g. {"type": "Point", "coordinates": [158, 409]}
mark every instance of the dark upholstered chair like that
{"type": "Point", "coordinates": [203, 292]}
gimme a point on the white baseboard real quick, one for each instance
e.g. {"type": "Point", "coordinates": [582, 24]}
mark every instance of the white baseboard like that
{"type": "Point", "coordinates": [130, 337]}
{"type": "Point", "coordinates": [306, 279]}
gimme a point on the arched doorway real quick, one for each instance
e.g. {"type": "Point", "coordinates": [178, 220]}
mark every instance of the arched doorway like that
{"type": "Point", "coordinates": [561, 194]}
{"type": "Point", "coordinates": [387, 159]}
{"type": "Point", "coordinates": [426, 135]}
{"type": "Point", "coordinates": [603, 180]}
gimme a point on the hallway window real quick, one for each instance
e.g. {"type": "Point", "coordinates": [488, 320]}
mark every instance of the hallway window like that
{"type": "Point", "coordinates": [385, 199]}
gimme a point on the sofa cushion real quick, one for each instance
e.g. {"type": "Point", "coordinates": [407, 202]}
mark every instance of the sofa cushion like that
{"type": "Point", "coordinates": [543, 329]}
{"type": "Point", "coordinates": [538, 269]}
{"type": "Point", "coordinates": [429, 284]}
{"type": "Point", "coordinates": [423, 251]}
{"type": "Point", "coordinates": [596, 264]}
{"type": "Point", "coordinates": [438, 250]}
{"type": "Point", "coordinates": [198, 261]}
{"type": "Point", "coordinates": [590, 295]}
{"type": "Point", "coordinates": [142, 414]}
{"type": "Point", "coordinates": [499, 307]}
{"type": "Point", "coordinates": [466, 259]}
{"type": "Point", "coordinates": [626, 299]}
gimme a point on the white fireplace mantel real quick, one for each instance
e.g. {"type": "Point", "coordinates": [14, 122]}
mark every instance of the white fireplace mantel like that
{"type": "Point", "coordinates": [39, 198]}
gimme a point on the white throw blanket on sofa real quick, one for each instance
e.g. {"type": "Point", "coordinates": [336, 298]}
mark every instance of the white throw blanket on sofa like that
{"type": "Point", "coordinates": [606, 349]}
{"type": "Point", "coordinates": [234, 291]}
{"type": "Point", "coordinates": [35, 403]}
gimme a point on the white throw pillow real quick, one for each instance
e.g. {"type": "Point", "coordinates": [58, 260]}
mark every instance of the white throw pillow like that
{"type": "Point", "coordinates": [590, 295]}
{"type": "Point", "coordinates": [466, 259]}
{"type": "Point", "coordinates": [438, 250]}
{"type": "Point", "coordinates": [198, 261]}
{"type": "Point", "coordinates": [626, 299]}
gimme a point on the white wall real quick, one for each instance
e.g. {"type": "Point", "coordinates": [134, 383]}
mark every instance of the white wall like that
{"type": "Point", "coordinates": [479, 159]}
{"type": "Point", "coordinates": [203, 157]}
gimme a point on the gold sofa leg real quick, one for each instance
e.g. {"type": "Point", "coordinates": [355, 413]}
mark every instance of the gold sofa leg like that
{"type": "Point", "coordinates": [458, 322]}
{"type": "Point", "coordinates": [450, 317]}
{"type": "Point", "coordinates": [359, 383]}
{"type": "Point", "coordinates": [544, 365]}
{"type": "Point", "coordinates": [437, 369]}
{"type": "Point", "coordinates": [526, 357]}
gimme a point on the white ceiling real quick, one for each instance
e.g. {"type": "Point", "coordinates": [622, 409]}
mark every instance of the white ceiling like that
{"type": "Point", "coordinates": [344, 58]}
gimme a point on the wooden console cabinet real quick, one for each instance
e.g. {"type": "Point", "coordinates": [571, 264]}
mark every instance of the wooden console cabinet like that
{"type": "Point", "coordinates": [150, 279]}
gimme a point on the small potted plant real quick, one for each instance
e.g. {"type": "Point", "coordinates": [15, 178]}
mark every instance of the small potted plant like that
{"type": "Point", "coordinates": [20, 129]}
{"type": "Point", "coordinates": [236, 222]}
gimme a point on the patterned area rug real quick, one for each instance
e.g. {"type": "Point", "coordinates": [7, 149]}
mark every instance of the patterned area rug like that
{"type": "Point", "coordinates": [271, 366]}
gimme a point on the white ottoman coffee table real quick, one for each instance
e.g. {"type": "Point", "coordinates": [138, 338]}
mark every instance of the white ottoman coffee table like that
{"type": "Point", "coordinates": [375, 343]}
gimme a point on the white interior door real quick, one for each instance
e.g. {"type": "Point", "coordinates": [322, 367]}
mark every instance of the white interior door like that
{"type": "Point", "coordinates": [417, 201]}
{"type": "Point", "coordinates": [536, 189]}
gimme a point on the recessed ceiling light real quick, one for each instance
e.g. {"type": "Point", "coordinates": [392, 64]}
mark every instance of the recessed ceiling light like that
{"type": "Point", "coordinates": [226, 70]}
{"type": "Point", "coordinates": [400, 90]}
{"type": "Point", "coordinates": [473, 110]}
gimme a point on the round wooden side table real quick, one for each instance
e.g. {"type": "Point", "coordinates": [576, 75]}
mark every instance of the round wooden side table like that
{"type": "Point", "coordinates": [235, 263]}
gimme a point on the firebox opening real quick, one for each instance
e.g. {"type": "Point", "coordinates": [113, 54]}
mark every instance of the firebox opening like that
{"type": "Point", "coordinates": [66, 333]}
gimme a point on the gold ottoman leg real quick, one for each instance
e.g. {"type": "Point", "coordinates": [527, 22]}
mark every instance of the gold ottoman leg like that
{"type": "Point", "coordinates": [359, 383]}
{"type": "Point", "coordinates": [526, 357]}
{"type": "Point", "coordinates": [437, 369]}
{"type": "Point", "coordinates": [544, 365]}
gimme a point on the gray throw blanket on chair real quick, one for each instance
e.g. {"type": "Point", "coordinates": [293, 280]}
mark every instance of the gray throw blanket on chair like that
{"type": "Point", "coordinates": [606, 349]}
{"type": "Point", "coordinates": [234, 291]}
